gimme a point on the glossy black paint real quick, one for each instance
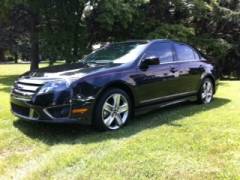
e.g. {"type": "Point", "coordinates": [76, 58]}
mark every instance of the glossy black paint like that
{"type": "Point", "coordinates": [152, 84]}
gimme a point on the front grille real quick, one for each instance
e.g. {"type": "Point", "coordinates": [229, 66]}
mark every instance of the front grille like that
{"type": "Point", "coordinates": [24, 111]}
{"type": "Point", "coordinates": [26, 88]}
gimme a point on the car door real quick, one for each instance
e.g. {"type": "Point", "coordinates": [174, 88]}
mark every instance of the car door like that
{"type": "Point", "coordinates": [157, 82]}
{"type": "Point", "coordinates": [189, 69]}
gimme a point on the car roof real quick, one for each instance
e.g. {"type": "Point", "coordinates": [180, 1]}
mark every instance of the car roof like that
{"type": "Point", "coordinates": [150, 41]}
{"type": "Point", "coordinates": [147, 41]}
{"type": "Point", "coordinates": [132, 41]}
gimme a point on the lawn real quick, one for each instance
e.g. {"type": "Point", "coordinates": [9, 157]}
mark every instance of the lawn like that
{"type": "Point", "coordinates": [186, 141]}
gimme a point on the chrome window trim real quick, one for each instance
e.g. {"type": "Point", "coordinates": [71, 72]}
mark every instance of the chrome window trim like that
{"type": "Point", "coordinates": [174, 62]}
{"type": "Point", "coordinates": [180, 62]}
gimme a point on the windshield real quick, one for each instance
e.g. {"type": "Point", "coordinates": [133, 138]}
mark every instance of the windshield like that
{"type": "Point", "coordinates": [117, 53]}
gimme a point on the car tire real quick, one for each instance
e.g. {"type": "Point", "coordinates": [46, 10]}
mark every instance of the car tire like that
{"type": "Point", "coordinates": [112, 110]}
{"type": "Point", "coordinates": [205, 94]}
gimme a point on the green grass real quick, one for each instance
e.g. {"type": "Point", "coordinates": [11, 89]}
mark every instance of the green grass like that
{"type": "Point", "coordinates": [186, 141]}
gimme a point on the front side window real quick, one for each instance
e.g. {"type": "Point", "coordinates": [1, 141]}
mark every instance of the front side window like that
{"type": "Point", "coordinates": [117, 53]}
{"type": "Point", "coordinates": [184, 53]}
{"type": "Point", "coordinates": [161, 50]}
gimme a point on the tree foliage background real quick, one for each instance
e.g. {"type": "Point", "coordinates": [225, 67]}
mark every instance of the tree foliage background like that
{"type": "Point", "coordinates": [66, 29]}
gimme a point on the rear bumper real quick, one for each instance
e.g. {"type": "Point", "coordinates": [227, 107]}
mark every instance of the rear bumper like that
{"type": "Point", "coordinates": [24, 110]}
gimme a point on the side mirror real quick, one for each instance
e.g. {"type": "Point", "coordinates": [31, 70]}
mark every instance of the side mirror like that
{"type": "Point", "coordinates": [150, 60]}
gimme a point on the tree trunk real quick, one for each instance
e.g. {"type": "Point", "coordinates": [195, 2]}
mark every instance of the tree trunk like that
{"type": "Point", "coordinates": [75, 45]}
{"type": "Point", "coordinates": [34, 39]}
{"type": "Point", "coordinates": [15, 58]}
{"type": "Point", "coordinates": [2, 57]}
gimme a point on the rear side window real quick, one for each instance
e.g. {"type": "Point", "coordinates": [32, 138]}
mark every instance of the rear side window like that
{"type": "Point", "coordinates": [161, 50]}
{"type": "Point", "coordinates": [196, 55]}
{"type": "Point", "coordinates": [184, 53]}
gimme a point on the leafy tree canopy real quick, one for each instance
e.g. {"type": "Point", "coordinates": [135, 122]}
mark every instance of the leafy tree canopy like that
{"type": "Point", "coordinates": [67, 29]}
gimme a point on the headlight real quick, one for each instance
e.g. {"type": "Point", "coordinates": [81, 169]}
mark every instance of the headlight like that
{"type": "Point", "coordinates": [58, 85]}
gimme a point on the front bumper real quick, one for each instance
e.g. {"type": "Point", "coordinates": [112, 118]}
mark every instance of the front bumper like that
{"type": "Point", "coordinates": [25, 110]}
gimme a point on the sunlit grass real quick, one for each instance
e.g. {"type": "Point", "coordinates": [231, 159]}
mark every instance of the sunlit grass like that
{"type": "Point", "coordinates": [186, 141]}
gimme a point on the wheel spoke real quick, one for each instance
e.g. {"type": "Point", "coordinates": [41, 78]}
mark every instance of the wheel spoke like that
{"type": "Point", "coordinates": [123, 108]}
{"type": "Point", "coordinates": [210, 91]}
{"type": "Point", "coordinates": [116, 99]}
{"type": "Point", "coordinates": [209, 95]}
{"type": "Point", "coordinates": [204, 86]}
{"type": "Point", "coordinates": [118, 119]}
{"type": "Point", "coordinates": [108, 107]}
{"type": "Point", "coordinates": [204, 95]}
{"type": "Point", "coordinates": [209, 87]}
{"type": "Point", "coordinates": [109, 120]}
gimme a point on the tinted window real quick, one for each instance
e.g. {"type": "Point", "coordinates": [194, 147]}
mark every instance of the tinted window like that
{"type": "Point", "coordinates": [184, 53]}
{"type": "Point", "coordinates": [117, 53]}
{"type": "Point", "coordinates": [196, 55]}
{"type": "Point", "coordinates": [161, 50]}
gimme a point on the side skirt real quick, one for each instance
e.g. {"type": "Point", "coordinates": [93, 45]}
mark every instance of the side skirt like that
{"type": "Point", "coordinates": [144, 109]}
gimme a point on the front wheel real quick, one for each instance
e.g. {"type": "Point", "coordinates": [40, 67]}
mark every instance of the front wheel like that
{"type": "Point", "coordinates": [112, 110]}
{"type": "Point", "coordinates": [205, 95]}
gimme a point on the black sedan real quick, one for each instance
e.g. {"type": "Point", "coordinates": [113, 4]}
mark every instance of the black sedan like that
{"type": "Point", "coordinates": [108, 86]}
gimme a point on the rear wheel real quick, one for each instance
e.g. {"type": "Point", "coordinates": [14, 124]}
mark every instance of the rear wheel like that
{"type": "Point", "coordinates": [205, 95]}
{"type": "Point", "coordinates": [113, 110]}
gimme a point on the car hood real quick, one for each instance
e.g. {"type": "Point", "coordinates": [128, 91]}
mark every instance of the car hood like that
{"type": "Point", "coordinates": [69, 71]}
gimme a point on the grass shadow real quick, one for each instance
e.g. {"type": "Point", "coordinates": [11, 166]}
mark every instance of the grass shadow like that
{"type": "Point", "coordinates": [73, 134]}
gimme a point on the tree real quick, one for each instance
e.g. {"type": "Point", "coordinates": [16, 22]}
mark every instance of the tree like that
{"type": "Point", "coordinates": [22, 19]}
{"type": "Point", "coordinates": [4, 33]}
{"type": "Point", "coordinates": [67, 29]}
{"type": "Point", "coordinates": [3, 42]}
{"type": "Point", "coordinates": [63, 29]}
{"type": "Point", "coordinates": [25, 21]}
{"type": "Point", "coordinates": [113, 20]}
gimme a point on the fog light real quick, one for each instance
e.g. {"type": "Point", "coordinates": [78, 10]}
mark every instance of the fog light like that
{"type": "Point", "coordinates": [79, 111]}
{"type": "Point", "coordinates": [58, 112]}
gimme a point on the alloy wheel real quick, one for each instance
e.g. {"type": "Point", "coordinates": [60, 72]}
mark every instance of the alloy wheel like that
{"type": "Point", "coordinates": [207, 92]}
{"type": "Point", "coordinates": [115, 111]}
